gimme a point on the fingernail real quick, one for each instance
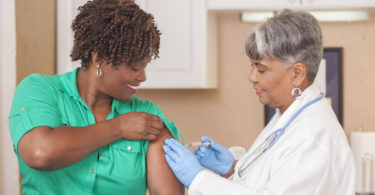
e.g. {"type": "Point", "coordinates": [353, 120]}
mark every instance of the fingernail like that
{"type": "Point", "coordinates": [168, 140]}
{"type": "Point", "coordinates": [165, 148]}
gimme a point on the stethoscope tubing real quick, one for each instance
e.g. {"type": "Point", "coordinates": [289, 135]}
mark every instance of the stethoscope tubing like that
{"type": "Point", "coordinates": [275, 136]}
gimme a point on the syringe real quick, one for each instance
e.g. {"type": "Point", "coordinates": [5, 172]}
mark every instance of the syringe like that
{"type": "Point", "coordinates": [197, 144]}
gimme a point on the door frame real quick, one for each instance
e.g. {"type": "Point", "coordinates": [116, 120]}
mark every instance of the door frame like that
{"type": "Point", "coordinates": [9, 172]}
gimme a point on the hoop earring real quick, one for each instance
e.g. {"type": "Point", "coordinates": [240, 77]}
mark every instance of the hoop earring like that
{"type": "Point", "coordinates": [296, 92]}
{"type": "Point", "coordinates": [99, 71]}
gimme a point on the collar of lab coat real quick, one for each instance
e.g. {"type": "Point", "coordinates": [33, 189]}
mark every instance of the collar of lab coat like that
{"type": "Point", "coordinates": [279, 121]}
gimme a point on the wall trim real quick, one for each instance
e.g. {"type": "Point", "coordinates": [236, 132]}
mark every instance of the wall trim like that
{"type": "Point", "coordinates": [9, 173]}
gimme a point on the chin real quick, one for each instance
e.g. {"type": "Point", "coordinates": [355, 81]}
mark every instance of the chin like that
{"type": "Point", "coordinates": [262, 101]}
{"type": "Point", "coordinates": [126, 98]}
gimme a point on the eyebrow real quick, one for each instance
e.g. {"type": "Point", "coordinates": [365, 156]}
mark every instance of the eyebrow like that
{"type": "Point", "coordinates": [259, 64]}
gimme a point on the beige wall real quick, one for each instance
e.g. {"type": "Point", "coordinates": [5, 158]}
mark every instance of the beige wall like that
{"type": "Point", "coordinates": [231, 114]}
{"type": "Point", "coordinates": [358, 41]}
{"type": "Point", "coordinates": [35, 24]}
{"type": "Point", "coordinates": [35, 37]}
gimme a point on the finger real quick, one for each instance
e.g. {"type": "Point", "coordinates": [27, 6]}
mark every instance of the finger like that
{"type": "Point", "coordinates": [196, 150]}
{"type": "Point", "coordinates": [170, 162]}
{"type": "Point", "coordinates": [205, 139]}
{"type": "Point", "coordinates": [214, 145]}
{"type": "Point", "coordinates": [166, 149]}
{"type": "Point", "coordinates": [203, 149]}
{"type": "Point", "coordinates": [155, 121]}
{"type": "Point", "coordinates": [153, 131]}
{"type": "Point", "coordinates": [154, 118]}
{"type": "Point", "coordinates": [157, 124]}
{"type": "Point", "coordinates": [151, 137]}
{"type": "Point", "coordinates": [172, 154]}
{"type": "Point", "coordinates": [176, 146]}
{"type": "Point", "coordinates": [199, 153]}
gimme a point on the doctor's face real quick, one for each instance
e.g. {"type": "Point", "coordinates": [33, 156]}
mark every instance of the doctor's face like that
{"type": "Point", "coordinates": [272, 82]}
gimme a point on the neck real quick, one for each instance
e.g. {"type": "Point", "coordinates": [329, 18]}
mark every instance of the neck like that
{"type": "Point", "coordinates": [283, 108]}
{"type": "Point", "coordinates": [88, 88]}
{"type": "Point", "coordinates": [286, 106]}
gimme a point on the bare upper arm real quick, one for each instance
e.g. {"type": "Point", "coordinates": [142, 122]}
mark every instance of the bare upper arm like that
{"type": "Point", "coordinates": [160, 177]}
{"type": "Point", "coordinates": [31, 149]}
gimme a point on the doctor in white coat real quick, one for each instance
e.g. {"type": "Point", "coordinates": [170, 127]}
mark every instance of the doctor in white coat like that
{"type": "Point", "coordinates": [303, 150]}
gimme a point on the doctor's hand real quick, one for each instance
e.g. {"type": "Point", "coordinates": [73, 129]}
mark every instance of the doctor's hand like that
{"type": "Point", "coordinates": [214, 157]}
{"type": "Point", "coordinates": [182, 162]}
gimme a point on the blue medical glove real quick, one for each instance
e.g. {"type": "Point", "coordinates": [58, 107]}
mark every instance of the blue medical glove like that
{"type": "Point", "coordinates": [214, 157]}
{"type": "Point", "coordinates": [182, 162]}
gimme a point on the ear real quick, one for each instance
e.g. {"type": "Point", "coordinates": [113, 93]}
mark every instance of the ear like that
{"type": "Point", "coordinates": [94, 58]}
{"type": "Point", "coordinates": [299, 73]}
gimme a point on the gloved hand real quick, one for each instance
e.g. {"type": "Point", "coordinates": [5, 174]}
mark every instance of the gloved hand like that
{"type": "Point", "coordinates": [214, 157]}
{"type": "Point", "coordinates": [182, 162]}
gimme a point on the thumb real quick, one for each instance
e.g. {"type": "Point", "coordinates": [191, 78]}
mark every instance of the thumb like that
{"type": "Point", "coordinates": [217, 147]}
{"type": "Point", "coordinates": [214, 145]}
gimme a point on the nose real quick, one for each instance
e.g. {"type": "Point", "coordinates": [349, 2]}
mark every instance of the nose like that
{"type": "Point", "coordinates": [252, 76]}
{"type": "Point", "coordinates": [141, 76]}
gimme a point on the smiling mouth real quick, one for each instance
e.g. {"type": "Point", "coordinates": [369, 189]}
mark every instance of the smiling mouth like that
{"type": "Point", "coordinates": [258, 91]}
{"type": "Point", "coordinates": [133, 88]}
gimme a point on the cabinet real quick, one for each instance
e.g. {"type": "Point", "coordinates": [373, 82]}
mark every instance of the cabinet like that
{"type": "Point", "coordinates": [291, 4]}
{"type": "Point", "coordinates": [187, 49]}
{"type": "Point", "coordinates": [251, 4]}
{"type": "Point", "coordinates": [336, 4]}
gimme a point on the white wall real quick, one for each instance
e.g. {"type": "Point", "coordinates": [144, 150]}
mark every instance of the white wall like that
{"type": "Point", "coordinates": [9, 174]}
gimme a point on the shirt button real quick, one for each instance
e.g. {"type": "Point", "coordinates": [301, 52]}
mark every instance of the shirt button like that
{"type": "Point", "coordinates": [92, 170]}
{"type": "Point", "coordinates": [129, 148]}
{"type": "Point", "coordinates": [23, 109]}
{"type": "Point", "coordinates": [102, 154]}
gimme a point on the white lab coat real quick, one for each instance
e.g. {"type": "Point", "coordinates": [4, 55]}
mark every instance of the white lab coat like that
{"type": "Point", "coordinates": [311, 157]}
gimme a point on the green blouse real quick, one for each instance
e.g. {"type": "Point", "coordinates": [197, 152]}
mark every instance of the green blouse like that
{"type": "Point", "coordinates": [118, 168]}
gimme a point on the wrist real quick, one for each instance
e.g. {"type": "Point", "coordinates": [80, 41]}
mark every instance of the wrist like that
{"type": "Point", "coordinates": [231, 170]}
{"type": "Point", "coordinates": [115, 125]}
{"type": "Point", "coordinates": [197, 171]}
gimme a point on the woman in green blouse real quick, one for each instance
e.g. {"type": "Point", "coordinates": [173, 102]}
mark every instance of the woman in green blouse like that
{"type": "Point", "coordinates": [84, 132]}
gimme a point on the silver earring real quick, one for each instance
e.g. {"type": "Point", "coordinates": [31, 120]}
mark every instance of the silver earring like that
{"type": "Point", "coordinates": [296, 92]}
{"type": "Point", "coordinates": [99, 72]}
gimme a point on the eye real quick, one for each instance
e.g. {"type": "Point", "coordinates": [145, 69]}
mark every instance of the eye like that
{"type": "Point", "coordinates": [135, 69]}
{"type": "Point", "coordinates": [261, 71]}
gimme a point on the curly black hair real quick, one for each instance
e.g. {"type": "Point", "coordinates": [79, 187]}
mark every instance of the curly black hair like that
{"type": "Point", "coordinates": [119, 31]}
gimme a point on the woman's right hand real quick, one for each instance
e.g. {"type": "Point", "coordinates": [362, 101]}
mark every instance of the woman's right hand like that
{"type": "Point", "coordinates": [139, 126]}
{"type": "Point", "coordinates": [214, 157]}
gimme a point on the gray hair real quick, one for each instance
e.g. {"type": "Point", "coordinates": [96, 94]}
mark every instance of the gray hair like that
{"type": "Point", "coordinates": [291, 37]}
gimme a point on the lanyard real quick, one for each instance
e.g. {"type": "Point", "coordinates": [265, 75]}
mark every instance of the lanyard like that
{"type": "Point", "coordinates": [273, 138]}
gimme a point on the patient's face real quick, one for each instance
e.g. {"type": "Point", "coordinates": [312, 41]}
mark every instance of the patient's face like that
{"type": "Point", "coordinates": [120, 83]}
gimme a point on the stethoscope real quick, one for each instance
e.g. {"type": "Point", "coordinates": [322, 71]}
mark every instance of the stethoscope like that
{"type": "Point", "coordinates": [272, 139]}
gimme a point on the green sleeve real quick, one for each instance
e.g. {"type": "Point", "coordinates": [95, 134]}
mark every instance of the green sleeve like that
{"type": "Point", "coordinates": [34, 104]}
{"type": "Point", "coordinates": [151, 108]}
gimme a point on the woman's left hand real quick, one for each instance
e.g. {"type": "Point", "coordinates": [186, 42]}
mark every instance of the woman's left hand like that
{"type": "Point", "coordinates": [182, 162]}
